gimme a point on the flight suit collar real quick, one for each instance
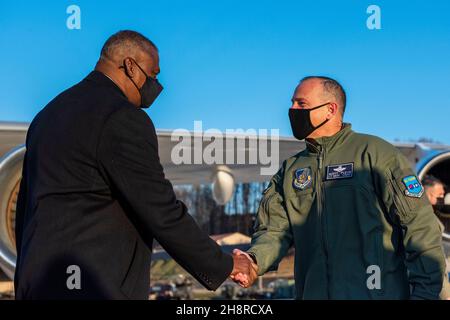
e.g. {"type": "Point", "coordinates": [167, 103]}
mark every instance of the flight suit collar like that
{"type": "Point", "coordinates": [329, 143]}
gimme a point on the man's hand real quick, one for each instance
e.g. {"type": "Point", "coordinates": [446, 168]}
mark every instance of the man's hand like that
{"type": "Point", "coordinates": [245, 271]}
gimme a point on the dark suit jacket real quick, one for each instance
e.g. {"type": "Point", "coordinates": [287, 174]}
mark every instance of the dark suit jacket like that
{"type": "Point", "coordinates": [94, 195]}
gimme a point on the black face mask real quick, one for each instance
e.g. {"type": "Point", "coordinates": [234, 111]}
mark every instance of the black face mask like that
{"type": "Point", "coordinates": [149, 91]}
{"type": "Point", "coordinates": [439, 204]}
{"type": "Point", "coordinates": [301, 121]}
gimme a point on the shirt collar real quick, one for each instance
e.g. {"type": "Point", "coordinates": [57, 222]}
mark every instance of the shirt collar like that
{"type": "Point", "coordinates": [329, 143]}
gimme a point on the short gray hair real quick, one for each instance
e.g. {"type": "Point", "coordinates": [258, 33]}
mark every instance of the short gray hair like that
{"type": "Point", "coordinates": [126, 43]}
{"type": "Point", "coordinates": [332, 87]}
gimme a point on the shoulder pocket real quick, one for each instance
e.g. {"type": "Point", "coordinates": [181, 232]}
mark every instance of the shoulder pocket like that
{"type": "Point", "coordinates": [408, 196]}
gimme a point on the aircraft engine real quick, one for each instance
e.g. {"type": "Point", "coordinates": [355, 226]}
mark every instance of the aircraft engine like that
{"type": "Point", "coordinates": [223, 185]}
{"type": "Point", "coordinates": [10, 174]}
{"type": "Point", "coordinates": [437, 164]}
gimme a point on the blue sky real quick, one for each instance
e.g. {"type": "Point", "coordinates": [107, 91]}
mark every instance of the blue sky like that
{"type": "Point", "coordinates": [234, 64]}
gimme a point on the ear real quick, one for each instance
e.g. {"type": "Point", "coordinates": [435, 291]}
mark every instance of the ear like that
{"type": "Point", "coordinates": [129, 67]}
{"type": "Point", "coordinates": [333, 109]}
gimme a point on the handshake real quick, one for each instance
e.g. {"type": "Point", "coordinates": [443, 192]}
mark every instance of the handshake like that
{"type": "Point", "coordinates": [245, 271]}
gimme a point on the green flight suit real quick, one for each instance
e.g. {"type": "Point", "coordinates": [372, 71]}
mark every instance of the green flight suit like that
{"type": "Point", "coordinates": [356, 214]}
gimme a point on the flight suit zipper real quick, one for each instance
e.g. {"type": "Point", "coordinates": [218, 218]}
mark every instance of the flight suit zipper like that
{"type": "Point", "coordinates": [319, 204]}
{"type": "Point", "coordinates": [322, 222]}
{"type": "Point", "coordinates": [321, 200]}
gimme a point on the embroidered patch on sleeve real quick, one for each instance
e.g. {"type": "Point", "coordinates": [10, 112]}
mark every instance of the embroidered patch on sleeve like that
{"type": "Point", "coordinates": [413, 187]}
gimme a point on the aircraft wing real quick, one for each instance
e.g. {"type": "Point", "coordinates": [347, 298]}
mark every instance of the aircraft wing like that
{"type": "Point", "coordinates": [13, 134]}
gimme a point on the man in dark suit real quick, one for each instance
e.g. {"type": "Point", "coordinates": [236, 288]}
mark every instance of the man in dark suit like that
{"type": "Point", "coordinates": [93, 195]}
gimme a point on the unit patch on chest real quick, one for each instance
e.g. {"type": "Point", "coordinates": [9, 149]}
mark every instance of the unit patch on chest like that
{"type": "Point", "coordinates": [302, 178]}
